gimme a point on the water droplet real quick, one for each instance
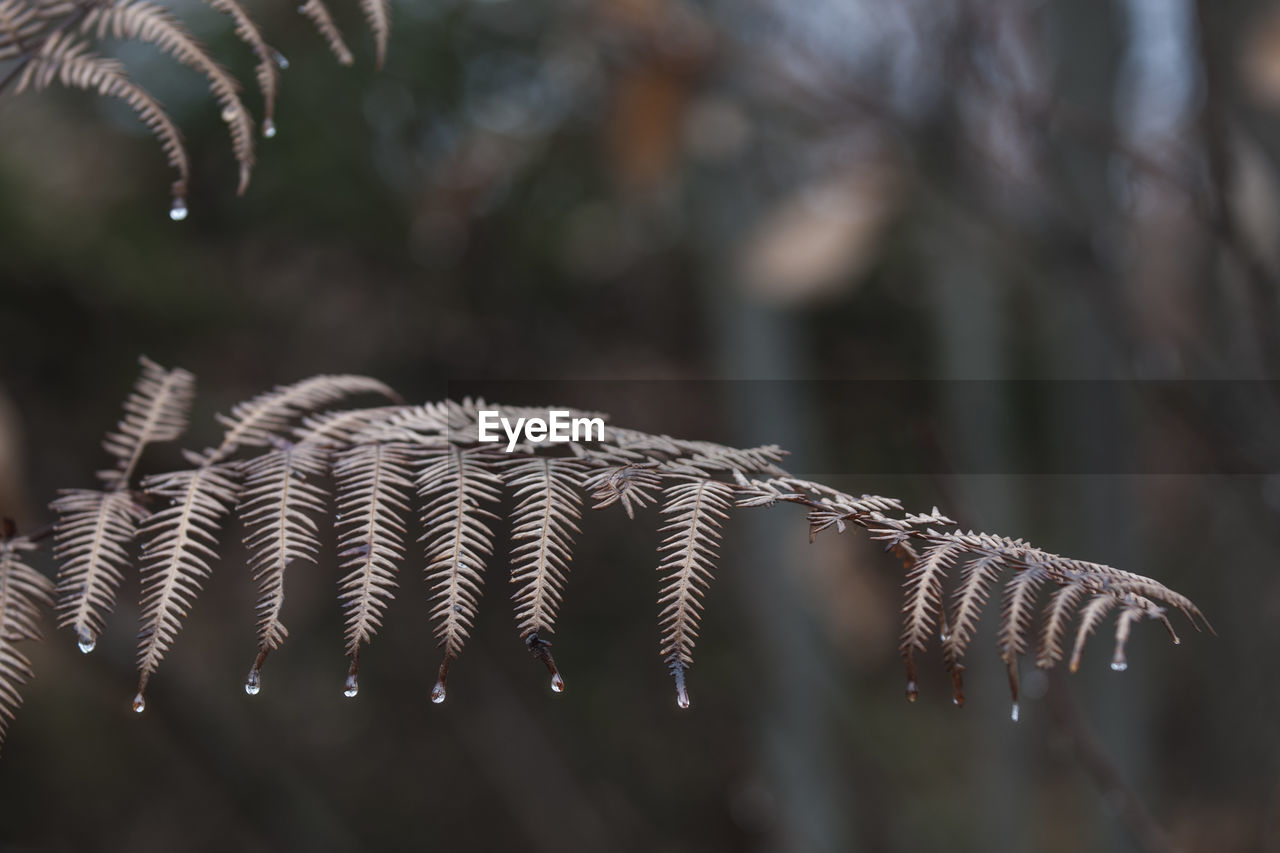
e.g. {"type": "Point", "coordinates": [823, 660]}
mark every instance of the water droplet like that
{"type": "Point", "coordinates": [682, 697]}
{"type": "Point", "coordinates": [946, 637]}
{"type": "Point", "coordinates": [1119, 665]}
{"type": "Point", "coordinates": [913, 692]}
{"type": "Point", "coordinates": [1013, 712]}
{"type": "Point", "coordinates": [178, 210]}
{"type": "Point", "coordinates": [352, 687]}
{"type": "Point", "coordinates": [281, 62]}
{"type": "Point", "coordinates": [253, 682]}
{"type": "Point", "coordinates": [269, 129]}
{"type": "Point", "coordinates": [87, 642]}
{"type": "Point", "coordinates": [139, 704]}
{"type": "Point", "coordinates": [557, 683]}
{"type": "Point", "coordinates": [438, 692]}
{"type": "Point", "coordinates": [229, 114]}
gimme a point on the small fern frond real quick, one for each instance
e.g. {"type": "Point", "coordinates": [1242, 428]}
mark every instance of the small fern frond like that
{"type": "Point", "coordinates": [632, 485]}
{"type": "Point", "coordinates": [696, 509]}
{"type": "Point", "coordinates": [453, 483]}
{"type": "Point", "coordinates": [258, 422]}
{"type": "Point", "coordinates": [373, 482]}
{"type": "Point", "coordinates": [378, 15]}
{"type": "Point", "coordinates": [1056, 620]}
{"type": "Point", "coordinates": [282, 493]}
{"type": "Point", "coordinates": [317, 13]}
{"type": "Point", "coordinates": [23, 593]}
{"type": "Point", "coordinates": [976, 578]}
{"type": "Point", "coordinates": [182, 538]}
{"type": "Point", "coordinates": [266, 71]}
{"type": "Point", "coordinates": [139, 20]}
{"type": "Point", "coordinates": [91, 542]}
{"type": "Point", "coordinates": [923, 602]}
{"type": "Point", "coordinates": [63, 59]}
{"type": "Point", "coordinates": [549, 506]}
{"type": "Point", "coordinates": [156, 411]}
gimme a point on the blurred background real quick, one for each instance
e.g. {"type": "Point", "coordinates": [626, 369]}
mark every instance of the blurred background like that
{"type": "Point", "coordinates": [1013, 258]}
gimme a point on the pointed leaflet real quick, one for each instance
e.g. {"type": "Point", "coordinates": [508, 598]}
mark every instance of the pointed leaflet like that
{"type": "Point", "coordinates": [282, 491]}
{"type": "Point", "coordinates": [378, 14]}
{"type": "Point", "coordinates": [176, 554]}
{"type": "Point", "coordinates": [373, 481]}
{"type": "Point", "coordinates": [95, 528]}
{"type": "Point", "coordinates": [923, 598]}
{"type": "Point", "coordinates": [23, 591]}
{"type": "Point", "coordinates": [318, 14]}
{"type": "Point", "coordinates": [453, 482]}
{"type": "Point", "coordinates": [696, 509]}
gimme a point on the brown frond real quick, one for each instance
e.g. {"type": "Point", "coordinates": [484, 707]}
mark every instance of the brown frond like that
{"type": "Point", "coordinates": [143, 21]}
{"type": "Point", "coordinates": [452, 484]}
{"type": "Point", "coordinates": [696, 509]}
{"type": "Point", "coordinates": [91, 542]}
{"type": "Point", "coordinates": [282, 493]}
{"type": "Point", "coordinates": [976, 577]}
{"type": "Point", "coordinates": [265, 418]}
{"type": "Point", "coordinates": [549, 506]}
{"type": "Point", "coordinates": [631, 485]}
{"type": "Point", "coordinates": [1090, 616]}
{"type": "Point", "coordinates": [372, 482]}
{"type": "Point", "coordinates": [182, 538]}
{"type": "Point", "coordinates": [156, 411]}
{"type": "Point", "coordinates": [266, 71]}
{"type": "Point", "coordinates": [23, 592]}
{"type": "Point", "coordinates": [378, 14]}
{"type": "Point", "coordinates": [923, 601]}
{"type": "Point", "coordinates": [1056, 621]}
{"type": "Point", "coordinates": [63, 59]}
{"type": "Point", "coordinates": [318, 14]}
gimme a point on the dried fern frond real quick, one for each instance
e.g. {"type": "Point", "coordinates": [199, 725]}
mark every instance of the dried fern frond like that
{"type": "Point", "coordinates": [23, 593]}
{"type": "Point", "coordinates": [453, 483]}
{"type": "Point", "coordinates": [139, 20]}
{"type": "Point", "coordinates": [549, 506]}
{"type": "Point", "coordinates": [378, 15]}
{"type": "Point", "coordinates": [156, 411]}
{"type": "Point", "coordinates": [393, 460]}
{"type": "Point", "coordinates": [92, 538]}
{"type": "Point", "coordinates": [259, 421]}
{"type": "Point", "coordinates": [265, 70]}
{"type": "Point", "coordinates": [62, 59]}
{"type": "Point", "coordinates": [373, 483]}
{"type": "Point", "coordinates": [318, 14]}
{"type": "Point", "coordinates": [696, 509]}
{"type": "Point", "coordinates": [181, 541]}
{"type": "Point", "coordinates": [96, 528]}
{"type": "Point", "coordinates": [282, 495]}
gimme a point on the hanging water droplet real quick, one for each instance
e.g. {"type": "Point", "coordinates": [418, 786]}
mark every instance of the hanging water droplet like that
{"type": "Point", "coordinates": [557, 683]}
{"type": "Point", "coordinates": [913, 692]}
{"type": "Point", "coordinates": [352, 687]}
{"type": "Point", "coordinates": [229, 114]}
{"type": "Point", "coordinates": [1013, 712]}
{"type": "Point", "coordinates": [946, 636]}
{"type": "Point", "coordinates": [1119, 665]}
{"type": "Point", "coordinates": [438, 692]}
{"type": "Point", "coordinates": [253, 682]}
{"type": "Point", "coordinates": [682, 697]}
{"type": "Point", "coordinates": [269, 128]}
{"type": "Point", "coordinates": [178, 210]}
{"type": "Point", "coordinates": [87, 642]}
{"type": "Point", "coordinates": [139, 704]}
{"type": "Point", "coordinates": [281, 62]}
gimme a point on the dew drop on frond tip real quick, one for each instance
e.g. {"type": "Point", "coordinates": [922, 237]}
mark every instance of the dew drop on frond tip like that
{"type": "Point", "coordinates": [86, 641]}
{"type": "Point", "coordinates": [178, 210]}
{"type": "Point", "coordinates": [253, 681]}
{"type": "Point", "coordinates": [139, 703]}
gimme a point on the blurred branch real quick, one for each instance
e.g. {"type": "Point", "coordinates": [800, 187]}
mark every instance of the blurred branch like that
{"type": "Point", "coordinates": [1092, 756]}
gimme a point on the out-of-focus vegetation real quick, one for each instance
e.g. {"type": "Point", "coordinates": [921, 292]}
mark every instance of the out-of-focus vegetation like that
{"type": "Point", "coordinates": [1050, 197]}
